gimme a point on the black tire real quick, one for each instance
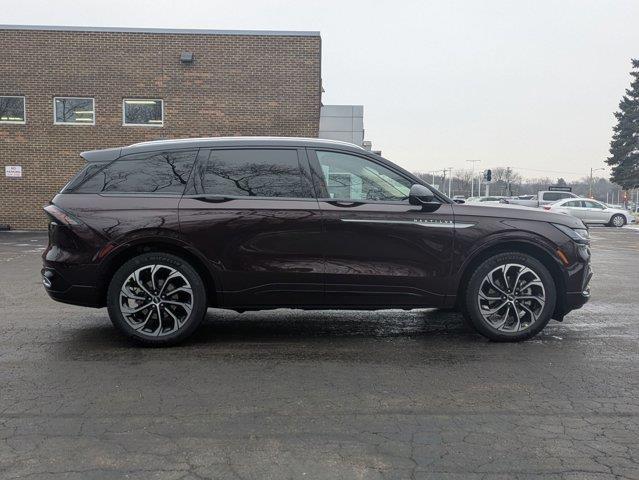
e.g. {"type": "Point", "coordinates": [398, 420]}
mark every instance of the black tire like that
{"type": "Point", "coordinates": [471, 307]}
{"type": "Point", "coordinates": [617, 220]}
{"type": "Point", "coordinates": [196, 298]}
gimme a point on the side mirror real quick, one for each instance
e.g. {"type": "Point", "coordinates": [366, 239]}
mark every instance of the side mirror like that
{"type": "Point", "coordinates": [420, 195]}
{"type": "Point", "coordinates": [459, 200]}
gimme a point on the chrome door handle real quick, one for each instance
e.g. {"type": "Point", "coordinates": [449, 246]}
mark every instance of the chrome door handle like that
{"type": "Point", "coordinates": [344, 203]}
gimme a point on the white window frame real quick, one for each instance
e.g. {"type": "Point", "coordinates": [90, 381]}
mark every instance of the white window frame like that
{"type": "Point", "coordinates": [55, 120]}
{"type": "Point", "coordinates": [24, 111]}
{"type": "Point", "coordinates": [152, 125]}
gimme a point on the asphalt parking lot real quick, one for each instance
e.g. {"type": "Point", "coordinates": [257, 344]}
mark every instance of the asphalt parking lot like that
{"type": "Point", "coordinates": [320, 395]}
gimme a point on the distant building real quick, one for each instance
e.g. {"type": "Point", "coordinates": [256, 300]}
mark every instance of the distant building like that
{"type": "Point", "coordinates": [342, 122]}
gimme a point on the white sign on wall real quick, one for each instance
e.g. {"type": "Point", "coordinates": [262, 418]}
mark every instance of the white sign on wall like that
{"type": "Point", "coordinates": [14, 171]}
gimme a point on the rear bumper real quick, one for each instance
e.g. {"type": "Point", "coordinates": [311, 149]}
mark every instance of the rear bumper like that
{"type": "Point", "coordinates": [59, 288]}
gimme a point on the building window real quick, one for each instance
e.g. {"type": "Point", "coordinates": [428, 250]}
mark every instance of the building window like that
{"type": "Point", "coordinates": [143, 112]}
{"type": "Point", "coordinates": [73, 111]}
{"type": "Point", "coordinates": [12, 110]}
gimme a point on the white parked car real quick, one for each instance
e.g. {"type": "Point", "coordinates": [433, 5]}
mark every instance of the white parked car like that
{"type": "Point", "coordinates": [490, 199]}
{"type": "Point", "coordinates": [592, 211]}
{"type": "Point", "coordinates": [543, 197]}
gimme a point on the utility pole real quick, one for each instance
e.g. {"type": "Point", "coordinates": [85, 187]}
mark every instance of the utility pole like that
{"type": "Point", "coordinates": [593, 170]}
{"type": "Point", "coordinates": [450, 180]}
{"type": "Point", "coordinates": [472, 178]}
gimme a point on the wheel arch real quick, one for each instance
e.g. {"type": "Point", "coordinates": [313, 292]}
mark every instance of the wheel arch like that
{"type": "Point", "coordinates": [123, 254]}
{"type": "Point", "coordinates": [520, 246]}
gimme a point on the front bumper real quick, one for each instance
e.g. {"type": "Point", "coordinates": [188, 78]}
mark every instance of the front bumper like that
{"type": "Point", "coordinates": [577, 292]}
{"type": "Point", "coordinates": [576, 300]}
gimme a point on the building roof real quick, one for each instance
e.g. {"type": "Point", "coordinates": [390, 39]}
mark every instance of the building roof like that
{"type": "Point", "coordinates": [174, 31]}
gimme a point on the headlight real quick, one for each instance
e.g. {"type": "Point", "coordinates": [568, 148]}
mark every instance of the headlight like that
{"type": "Point", "coordinates": [579, 235]}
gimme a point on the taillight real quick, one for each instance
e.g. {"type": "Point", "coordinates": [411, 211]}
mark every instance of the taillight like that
{"type": "Point", "coordinates": [546, 207]}
{"type": "Point", "coordinates": [60, 216]}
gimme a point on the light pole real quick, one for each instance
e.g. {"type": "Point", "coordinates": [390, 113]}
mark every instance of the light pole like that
{"type": "Point", "coordinates": [593, 170]}
{"type": "Point", "coordinates": [434, 173]}
{"type": "Point", "coordinates": [450, 180]}
{"type": "Point", "coordinates": [472, 178]}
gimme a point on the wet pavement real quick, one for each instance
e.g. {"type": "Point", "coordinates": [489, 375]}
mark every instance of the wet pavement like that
{"type": "Point", "coordinates": [320, 395]}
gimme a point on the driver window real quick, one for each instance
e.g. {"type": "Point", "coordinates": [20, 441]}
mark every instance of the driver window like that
{"type": "Point", "coordinates": [349, 177]}
{"type": "Point", "coordinates": [593, 205]}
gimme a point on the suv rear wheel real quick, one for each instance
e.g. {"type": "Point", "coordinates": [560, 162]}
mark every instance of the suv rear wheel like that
{"type": "Point", "coordinates": [510, 297]}
{"type": "Point", "coordinates": [157, 299]}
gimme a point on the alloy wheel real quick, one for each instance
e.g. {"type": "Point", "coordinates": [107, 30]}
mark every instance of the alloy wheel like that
{"type": "Point", "coordinates": [156, 300]}
{"type": "Point", "coordinates": [511, 298]}
{"type": "Point", "coordinates": [618, 221]}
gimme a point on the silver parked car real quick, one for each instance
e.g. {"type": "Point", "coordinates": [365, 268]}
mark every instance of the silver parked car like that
{"type": "Point", "coordinates": [592, 211]}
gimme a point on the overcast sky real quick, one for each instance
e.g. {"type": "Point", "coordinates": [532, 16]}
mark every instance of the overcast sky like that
{"type": "Point", "coordinates": [526, 84]}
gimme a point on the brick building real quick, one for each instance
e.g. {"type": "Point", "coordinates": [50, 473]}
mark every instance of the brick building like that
{"type": "Point", "coordinates": [66, 89]}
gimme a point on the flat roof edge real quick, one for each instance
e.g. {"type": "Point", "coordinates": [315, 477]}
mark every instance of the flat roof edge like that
{"type": "Point", "coordinates": [177, 31]}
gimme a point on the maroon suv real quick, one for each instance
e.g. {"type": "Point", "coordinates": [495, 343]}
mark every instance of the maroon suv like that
{"type": "Point", "coordinates": [159, 231]}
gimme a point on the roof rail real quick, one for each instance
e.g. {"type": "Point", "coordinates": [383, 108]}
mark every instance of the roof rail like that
{"type": "Point", "coordinates": [178, 141]}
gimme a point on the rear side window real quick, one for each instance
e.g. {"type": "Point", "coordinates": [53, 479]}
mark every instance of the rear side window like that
{"type": "Point", "coordinates": [165, 173]}
{"type": "Point", "coordinates": [573, 203]}
{"type": "Point", "coordinates": [252, 173]}
{"type": "Point", "coordinates": [87, 172]}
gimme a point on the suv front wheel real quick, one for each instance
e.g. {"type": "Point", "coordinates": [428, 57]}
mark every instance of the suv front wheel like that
{"type": "Point", "coordinates": [157, 299]}
{"type": "Point", "coordinates": [510, 297]}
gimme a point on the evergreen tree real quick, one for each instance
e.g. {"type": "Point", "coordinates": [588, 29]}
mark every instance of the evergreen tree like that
{"type": "Point", "coordinates": [624, 147]}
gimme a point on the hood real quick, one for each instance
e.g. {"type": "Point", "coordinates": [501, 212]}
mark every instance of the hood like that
{"type": "Point", "coordinates": [619, 210]}
{"type": "Point", "coordinates": [516, 212]}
